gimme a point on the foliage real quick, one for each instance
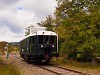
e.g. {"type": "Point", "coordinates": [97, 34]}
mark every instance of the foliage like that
{"type": "Point", "coordinates": [49, 23]}
{"type": "Point", "coordinates": [78, 24]}
{"type": "Point", "coordinates": [12, 48]}
{"type": "Point", "coordinates": [4, 47]}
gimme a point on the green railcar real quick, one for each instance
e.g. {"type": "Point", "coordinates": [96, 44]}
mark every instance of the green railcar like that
{"type": "Point", "coordinates": [39, 46]}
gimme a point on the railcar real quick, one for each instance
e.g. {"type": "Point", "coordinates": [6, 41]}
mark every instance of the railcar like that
{"type": "Point", "coordinates": [40, 46]}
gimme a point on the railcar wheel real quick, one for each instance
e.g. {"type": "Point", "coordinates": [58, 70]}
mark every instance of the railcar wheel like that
{"type": "Point", "coordinates": [47, 61]}
{"type": "Point", "coordinates": [26, 58]}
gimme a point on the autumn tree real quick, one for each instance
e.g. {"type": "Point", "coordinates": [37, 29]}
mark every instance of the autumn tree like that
{"type": "Point", "coordinates": [13, 47]}
{"type": "Point", "coordinates": [79, 28]}
{"type": "Point", "coordinates": [3, 45]}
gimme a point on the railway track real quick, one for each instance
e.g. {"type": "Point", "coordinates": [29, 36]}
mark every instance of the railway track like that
{"type": "Point", "coordinates": [57, 70]}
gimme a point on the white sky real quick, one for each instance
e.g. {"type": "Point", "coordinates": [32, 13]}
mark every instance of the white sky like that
{"type": "Point", "coordinates": [16, 15]}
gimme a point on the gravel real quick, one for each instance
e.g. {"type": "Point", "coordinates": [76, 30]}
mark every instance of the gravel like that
{"type": "Point", "coordinates": [28, 69]}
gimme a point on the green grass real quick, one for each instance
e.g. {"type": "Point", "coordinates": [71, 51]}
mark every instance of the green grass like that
{"type": "Point", "coordinates": [75, 64]}
{"type": "Point", "coordinates": [8, 69]}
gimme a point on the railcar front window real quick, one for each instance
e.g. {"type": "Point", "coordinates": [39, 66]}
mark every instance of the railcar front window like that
{"type": "Point", "coordinates": [40, 39]}
{"type": "Point", "coordinates": [52, 40]}
{"type": "Point", "coordinates": [46, 39]}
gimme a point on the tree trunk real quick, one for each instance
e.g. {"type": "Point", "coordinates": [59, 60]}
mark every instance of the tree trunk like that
{"type": "Point", "coordinates": [93, 61]}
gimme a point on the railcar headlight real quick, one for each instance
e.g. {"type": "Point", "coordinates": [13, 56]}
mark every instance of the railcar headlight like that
{"type": "Point", "coordinates": [22, 50]}
{"type": "Point", "coordinates": [41, 46]}
{"type": "Point", "coordinates": [53, 46]}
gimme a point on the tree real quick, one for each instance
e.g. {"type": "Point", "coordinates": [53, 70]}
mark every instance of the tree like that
{"type": "Point", "coordinates": [79, 27]}
{"type": "Point", "coordinates": [49, 23]}
{"type": "Point", "coordinates": [2, 46]}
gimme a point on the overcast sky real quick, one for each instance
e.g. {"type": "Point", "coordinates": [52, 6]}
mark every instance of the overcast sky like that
{"type": "Point", "coordinates": [16, 15]}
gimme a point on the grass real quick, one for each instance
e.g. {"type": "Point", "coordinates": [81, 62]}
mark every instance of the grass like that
{"type": "Point", "coordinates": [8, 69]}
{"type": "Point", "coordinates": [76, 64]}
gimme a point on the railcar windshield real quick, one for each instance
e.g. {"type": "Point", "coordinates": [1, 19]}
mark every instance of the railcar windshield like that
{"type": "Point", "coordinates": [41, 39]}
{"type": "Point", "coordinates": [53, 39]}
{"type": "Point", "coordinates": [47, 39]}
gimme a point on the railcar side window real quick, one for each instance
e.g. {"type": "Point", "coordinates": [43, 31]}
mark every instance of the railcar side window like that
{"type": "Point", "coordinates": [27, 41]}
{"type": "Point", "coordinates": [40, 39]}
{"type": "Point", "coordinates": [32, 40]}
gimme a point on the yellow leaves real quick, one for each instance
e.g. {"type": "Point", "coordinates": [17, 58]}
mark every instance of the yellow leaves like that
{"type": "Point", "coordinates": [76, 27]}
{"type": "Point", "coordinates": [61, 32]}
{"type": "Point", "coordinates": [77, 21]}
{"type": "Point", "coordinates": [89, 32]}
{"type": "Point", "coordinates": [81, 34]}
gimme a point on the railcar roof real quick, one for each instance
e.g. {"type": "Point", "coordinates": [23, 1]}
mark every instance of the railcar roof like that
{"type": "Point", "coordinates": [43, 33]}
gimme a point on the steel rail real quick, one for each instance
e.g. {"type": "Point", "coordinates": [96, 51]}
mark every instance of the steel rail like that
{"type": "Point", "coordinates": [71, 70]}
{"type": "Point", "coordinates": [50, 70]}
